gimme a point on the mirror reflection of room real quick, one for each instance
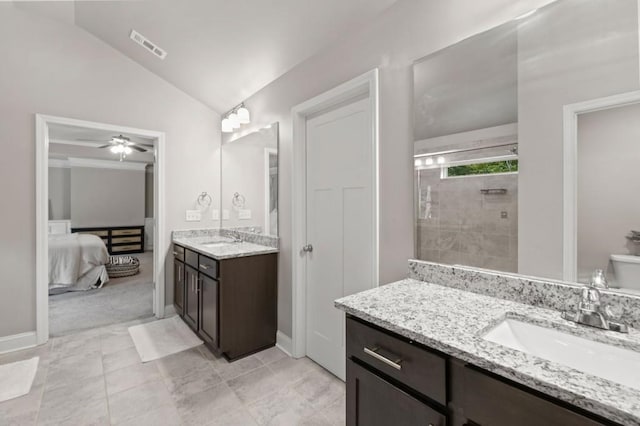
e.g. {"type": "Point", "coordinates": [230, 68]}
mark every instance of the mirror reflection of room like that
{"type": "Point", "coordinates": [249, 194]}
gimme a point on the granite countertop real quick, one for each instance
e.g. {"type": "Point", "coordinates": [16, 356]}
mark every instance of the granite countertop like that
{"type": "Point", "coordinates": [453, 321]}
{"type": "Point", "coordinates": [227, 250]}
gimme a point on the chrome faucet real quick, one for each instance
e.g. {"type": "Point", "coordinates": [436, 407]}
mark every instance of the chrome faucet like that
{"type": "Point", "coordinates": [235, 235]}
{"type": "Point", "coordinates": [591, 311]}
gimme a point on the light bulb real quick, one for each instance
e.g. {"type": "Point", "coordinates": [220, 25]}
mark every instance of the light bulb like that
{"type": "Point", "coordinates": [233, 119]}
{"type": "Point", "coordinates": [440, 160]}
{"type": "Point", "coordinates": [127, 150]}
{"type": "Point", "coordinates": [428, 161]}
{"type": "Point", "coordinates": [418, 162]}
{"type": "Point", "coordinates": [226, 126]}
{"type": "Point", "coordinates": [114, 149]}
{"type": "Point", "coordinates": [243, 116]}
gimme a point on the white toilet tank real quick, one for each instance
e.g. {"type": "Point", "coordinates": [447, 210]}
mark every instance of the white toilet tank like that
{"type": "Point", "coordinates": [626, 269]}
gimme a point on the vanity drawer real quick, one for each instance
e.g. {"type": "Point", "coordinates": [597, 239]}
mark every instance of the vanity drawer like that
{"type": "Point", "coordinates": [178, 253]}
{"type": "Point", "coordinates": [119, 232]}
{"type": "Point", "coordinates": [191, 258]}
{"type": "Point", "coordinates": [486, 400]}
{"type": "Point", "coordinates": [208, 266]}
{"type": "Point", "coordinates": [414, 366]}
{"type": "Point", "coordinates": [101, 234]}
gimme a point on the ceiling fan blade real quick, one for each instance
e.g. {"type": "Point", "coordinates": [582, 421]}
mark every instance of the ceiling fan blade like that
{"type": "Point", "coordinates": [137, 148]}
{"type": "Point", "coordinates": [148, 145]}
{"type": "Point", "coordinates": [105, 146]}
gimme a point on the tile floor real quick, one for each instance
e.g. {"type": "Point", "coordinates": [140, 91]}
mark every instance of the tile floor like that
{"type": "Point", "coordinates": [96, 378]}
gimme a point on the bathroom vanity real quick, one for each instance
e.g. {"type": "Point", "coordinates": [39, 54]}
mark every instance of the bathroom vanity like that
{"type": "Point", "coordinates": [226, 291]}
{"type": "Point", "coordinates": [432, 354]}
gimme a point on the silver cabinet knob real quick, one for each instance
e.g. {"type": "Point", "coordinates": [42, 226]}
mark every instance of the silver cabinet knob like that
{"type": "Point", "coordinates": [308, 248]}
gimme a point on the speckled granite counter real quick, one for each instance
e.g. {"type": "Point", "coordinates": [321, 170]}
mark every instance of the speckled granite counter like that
{"type": "Point", "coordinates": [227, 249]}
{"type": "Point", "coordinates": [453, 321]}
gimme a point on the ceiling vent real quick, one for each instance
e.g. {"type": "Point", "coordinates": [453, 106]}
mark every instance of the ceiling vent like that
{"type": "Point", "coordinates": [144, 42]}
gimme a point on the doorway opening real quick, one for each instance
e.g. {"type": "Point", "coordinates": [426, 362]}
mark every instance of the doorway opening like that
{"type": "Point", "coordinates": [100, 215]}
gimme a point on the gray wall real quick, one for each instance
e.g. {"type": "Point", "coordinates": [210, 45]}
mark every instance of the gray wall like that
{"type": "Point", "coordinates": [59, 193]}
{"type": "Point", "coordinates": [466, 227]}
{"type": "Point", "coordinates": [584, 50]}
{"type": "Point", "coordinates": [409, 30]}
{"type": "Point", "coordinates": [56, 68]}
{"type": "Point", "coordinates": [148, 192]}
{"type": "Point", "coordinates": [608, 185]}
{"type": "Point", "coordinates": [107, 197]}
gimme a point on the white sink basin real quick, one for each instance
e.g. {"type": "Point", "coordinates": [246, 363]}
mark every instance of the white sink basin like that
{"type": "Point", "coordinates": [599, 359]}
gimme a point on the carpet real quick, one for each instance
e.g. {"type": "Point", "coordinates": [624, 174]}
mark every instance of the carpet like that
{"type": "Point", "coordinates": [161, 338]}
{"type": "Point", "coordinates": [16, 378]}
{"type": "Point", "coordinates": [120, 300]}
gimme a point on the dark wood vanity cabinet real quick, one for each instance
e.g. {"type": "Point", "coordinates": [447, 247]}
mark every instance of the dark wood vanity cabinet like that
{"type": "Point", "coordinates": [393, 380]}
{"type": "Point", "coordinates": [231, 304]}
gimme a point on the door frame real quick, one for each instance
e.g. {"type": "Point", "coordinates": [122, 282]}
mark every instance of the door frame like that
{"type": "Point", "coordinates": [161, 243]}
{"type": "Point", "coordinates": [570, 165]}
{"type": "Point", "coordinates": [365, 85]}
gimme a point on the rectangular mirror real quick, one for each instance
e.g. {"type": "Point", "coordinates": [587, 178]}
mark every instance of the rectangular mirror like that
{"type": "Point", "coordinates": [249, 176]}
{"type": "Point", "coordinates": [513, 171]}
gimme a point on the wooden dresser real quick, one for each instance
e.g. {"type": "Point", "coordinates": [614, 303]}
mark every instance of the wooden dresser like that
{"type": "Point", "coordinates": [118, 239]}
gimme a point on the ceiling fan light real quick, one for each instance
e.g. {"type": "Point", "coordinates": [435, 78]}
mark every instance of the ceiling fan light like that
{"type": "Point", "coordinates": [127, 150]}
{"type": "Point", "coordinates": [243, 115]}
{"type": "Point", "coordinates": [233, 119]}
{"type": "Point", "coordinates": [116, 149]}
{"type": "Point", "coordinates": [226, 126]}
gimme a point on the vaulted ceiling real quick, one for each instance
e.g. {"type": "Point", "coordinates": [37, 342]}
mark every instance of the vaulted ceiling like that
{"type": "Point", "coordinates": [219, 51]}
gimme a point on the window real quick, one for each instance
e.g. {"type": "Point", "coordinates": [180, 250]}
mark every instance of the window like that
{"type": "Point", "coordinates": [495, 167]}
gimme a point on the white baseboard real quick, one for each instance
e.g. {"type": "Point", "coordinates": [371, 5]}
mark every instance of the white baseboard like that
{"type": "Point", "coordinates": [284, 343]}
{"type": "Point", "coordinates": [169, 311]}
{"type": "Point", "coordinates": [16, 342]}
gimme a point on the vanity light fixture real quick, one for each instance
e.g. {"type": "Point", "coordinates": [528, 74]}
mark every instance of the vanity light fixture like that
{"type": "Point", "coordinates": [428, 161]}
{"type": "Point", "coordinates": [418, 162]}
{"type": "Point", "coordinates": [235, 118]}
{"type": "Point", "coordinates": [440, 160]}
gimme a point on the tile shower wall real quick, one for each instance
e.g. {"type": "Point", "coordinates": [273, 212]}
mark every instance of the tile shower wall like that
{"type": "Point", "coordinates": [457, 224]}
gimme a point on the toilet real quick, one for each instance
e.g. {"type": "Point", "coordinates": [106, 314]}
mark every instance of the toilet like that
{"type": "Point", "coordinates": [626, 269]}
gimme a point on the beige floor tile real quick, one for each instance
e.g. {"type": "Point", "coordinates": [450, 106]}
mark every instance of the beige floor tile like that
{"type": "Point", "coordinates": [337, 412]}
{"type": "Point", "coordinates": [204, 407]}
{"type": "Point", "coordinates": [271, 355]}
{"type": "Point", "coordinates": [83, 402]}
{"type": "Point", "coordinates": [183, 363]}
{"type": "Point", "coordinates": [114, 342]}
{"type": "Point", "coordinates": [255, 385]}
{"type": "Point", "coordinates": [283, 407]}
{"type": "Point", "coordinates": [229, 370]}
{"type": "Point", "coordinates": [120, 359]}
{"type": "Point", "coordinates": [165, 416]}
{"type": "Point", "coordinates": [194, 382]}
{"type": "Point", "coordinates": [23, 410]}
{"type": "Point", "coordinates": [138, 401]}
{"type": "Point", "coordinates": [235, 418]}
{"type": "Point", "coordinates": [320, 388]}
{"type": "Point", "coordinates": [75, 344]}
{"type": "Point", "coordinates": [69, 370]}
{"type": "Point", "coordinates": [130, 377]}
{"type": "Point", "coordinates": [289, 370]}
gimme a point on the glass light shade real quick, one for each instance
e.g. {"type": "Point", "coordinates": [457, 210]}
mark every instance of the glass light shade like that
{"type": "Point", "coordinates": [117, 149]}
{"type": "Point", "coordinates": [428, 161]}
{"type": "Point", "coordinates": [127, 150]}
{"type": "Point", "coordinates": [440, 160]}
{"type": "Point", "coordinates": [418, 162]}
{"type": "Point", "coordinates": [233, 119]}
{"type": "Point", "coordinates": [243, 116]}
{"type": "Point", "coordinates": [226, 126]}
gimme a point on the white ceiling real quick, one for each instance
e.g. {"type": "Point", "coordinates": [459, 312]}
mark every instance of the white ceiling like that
{"type": "Point", "coordinates": [221, 52]}
{"type": "Point", "coordinates": [72, 141]}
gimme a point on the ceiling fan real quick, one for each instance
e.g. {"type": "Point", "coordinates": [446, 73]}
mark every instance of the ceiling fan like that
{"type": "Point", "coordinates": [123, 146]}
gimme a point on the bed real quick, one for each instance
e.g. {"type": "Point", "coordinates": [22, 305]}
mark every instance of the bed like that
{"type": "Point", "coordinates": [77, 262]}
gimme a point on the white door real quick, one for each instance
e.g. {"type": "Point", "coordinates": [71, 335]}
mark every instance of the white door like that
{"type": "Point", "coordinates": [340, 224]}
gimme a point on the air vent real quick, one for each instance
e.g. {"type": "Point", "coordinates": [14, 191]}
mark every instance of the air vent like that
{"type": "Point", "coordinates": [147, 44]}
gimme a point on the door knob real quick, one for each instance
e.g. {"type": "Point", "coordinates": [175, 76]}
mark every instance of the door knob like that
{"type": "Point", "coordinates": [308, 248]}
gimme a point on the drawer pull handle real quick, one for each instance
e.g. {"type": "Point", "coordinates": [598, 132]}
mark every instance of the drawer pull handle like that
{"type": "Point", "coordinates": [205, 267]}
{"type": "Point", "coordinates": [175, 253]}
{"type": "Point", "coordinates": [374, 353]}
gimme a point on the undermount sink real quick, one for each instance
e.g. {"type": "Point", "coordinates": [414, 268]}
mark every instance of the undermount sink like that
{"type": "Point", "coordinates": [214, 245]}
{"type": "Point", "coordinates": [599, 359]}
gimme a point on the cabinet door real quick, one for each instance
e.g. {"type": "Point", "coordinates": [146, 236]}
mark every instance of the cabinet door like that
{"type": "Point", "coordinates": [178, 286]}
{"type": "Point", "coordinates": [209, 309]}
{"type": "Point", "coordinates": [191, 297]}
{"type": "Point", "coordinates": [372, 401]}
